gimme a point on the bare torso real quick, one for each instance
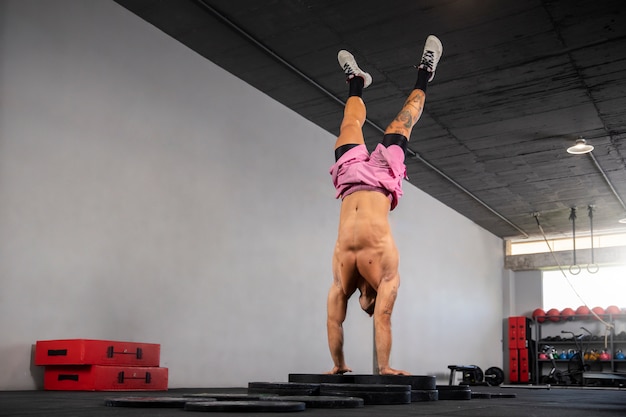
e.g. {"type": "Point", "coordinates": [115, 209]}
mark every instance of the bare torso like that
{"type": "Point", "coordinates": [365, 252]}
{"type": "Point", "coordinates": [365, 258]}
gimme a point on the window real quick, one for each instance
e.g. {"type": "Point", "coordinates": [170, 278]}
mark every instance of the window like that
{"type": "Point", "coordinates": [522, 247]}
{"type": "Point", "coordinates": [602, 289]}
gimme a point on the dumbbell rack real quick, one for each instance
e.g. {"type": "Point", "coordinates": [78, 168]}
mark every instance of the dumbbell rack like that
{"type": "Point", "coordinates": [548, 332]}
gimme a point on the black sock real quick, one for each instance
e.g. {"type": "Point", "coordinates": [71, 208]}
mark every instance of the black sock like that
{"type": "Point", "coordinates": [422, 79]}
{"type": "Point", "coordinates": [356, 86]}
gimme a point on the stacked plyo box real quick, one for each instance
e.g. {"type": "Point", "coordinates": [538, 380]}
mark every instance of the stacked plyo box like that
{"type": "Point", "coordinates": [100, 365]}
{"type": "Point", "coordinates": [519, 337]}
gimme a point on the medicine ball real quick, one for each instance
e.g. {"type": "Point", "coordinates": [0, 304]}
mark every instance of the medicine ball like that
{"type": "Point", "coordinates": [568, 313]}
{"type": "Point", "coordinates": [613, 310]}
{"type": "Point", "coordinates": [538, 315]}
{"type": "Point", "coordinates": [554, 314]}
{"type": "Point", "coordinates": [598, 310]}
{"type": "Point", "coordinates": [583, 311]}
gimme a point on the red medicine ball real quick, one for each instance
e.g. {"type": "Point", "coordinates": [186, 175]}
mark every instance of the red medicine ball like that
{"type": "Point", "coordinates": [568, 313]}
{"type": "Point", "coordinates": [583, 311]}
{"type": "Point", "coordinates": [598, 310]}
{"type": "Point", "coordinates": [554, 314]}
{"type": "Point", "coordinates": [538, 315]}
{"type": "Point", "coordinates": [613, 310]}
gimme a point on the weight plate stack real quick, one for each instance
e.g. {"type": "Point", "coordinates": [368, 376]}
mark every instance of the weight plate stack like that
{"type": "Point", "coordinates": [246, 406]}
{"type": "Point", "coordinates": [320, 401]}
{"type": "Point", "coordinates": [454, 392]}
{"type": "Point", "coordinates": [371, 393]}
{"type": "Point", "coordinates": [417, 382]}
{"type": "Point", "coordinates": [321, 378]}
{"type": "Point", "coordinates": [420, 395]}
{"type": "Point", "coordinates": [283, 388]}
{"type": "Point", "coordinates": [151, 402]}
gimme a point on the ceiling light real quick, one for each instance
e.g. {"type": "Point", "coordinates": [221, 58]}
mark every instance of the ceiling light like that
{"type": "Point", "coordinates": [580, 148]}
{"type": "Point", "coordinates": [622, 220]}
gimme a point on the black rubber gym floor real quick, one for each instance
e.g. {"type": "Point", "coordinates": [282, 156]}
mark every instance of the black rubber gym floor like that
{"type": "Point", "coordinates": [555, 402]}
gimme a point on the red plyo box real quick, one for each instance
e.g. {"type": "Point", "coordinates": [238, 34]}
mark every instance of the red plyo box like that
{"type": "Point", "coordinates": [105, 378]}
{"type": "Point", "coordinates": [96, 352]}
{"type": "Point", "coordinates": [513, 332]}
{"type": "Point", "coordinates": [513, 365]}
{"type": "Point", "coordinates": [523, 329]}
{"type": "Point", "coordinates": [524, 369]}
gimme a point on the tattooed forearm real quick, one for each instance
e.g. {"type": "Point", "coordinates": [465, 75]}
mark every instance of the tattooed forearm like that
{"type": "Point", "coordinates": [388, 306]}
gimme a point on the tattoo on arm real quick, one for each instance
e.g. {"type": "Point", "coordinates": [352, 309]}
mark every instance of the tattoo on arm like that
{"type": "Point", "coordinates": [390, 302]}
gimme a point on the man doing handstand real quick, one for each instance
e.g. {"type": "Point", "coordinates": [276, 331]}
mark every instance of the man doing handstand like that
{"type": "Point", "coordinates": [370, 185]}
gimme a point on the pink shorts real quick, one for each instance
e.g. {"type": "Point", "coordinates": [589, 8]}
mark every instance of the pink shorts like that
{"type": "Point", "coordinates": [381, 171]}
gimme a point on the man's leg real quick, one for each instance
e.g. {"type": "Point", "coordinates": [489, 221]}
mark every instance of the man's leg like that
{"type": "Point", "coordinates": [354, 113]}
{"type": "Point", "coordinates": [343, 262]}
{"type": "Point", "coordinates": [400, 130]}
{"type": "Point", "coordinates": [414, 105]}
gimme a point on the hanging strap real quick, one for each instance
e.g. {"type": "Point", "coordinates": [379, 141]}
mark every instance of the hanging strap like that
{"type": "Point", "coordinates": [574, 269]}
{"type": "Point", "coordinates": [593, 267]}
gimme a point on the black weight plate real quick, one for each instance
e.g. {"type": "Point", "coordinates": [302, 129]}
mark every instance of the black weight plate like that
{"type": "Point", "coordinates": [484, 395]}
{"type": "Point", "coordinates": [494, 376]}
{"type": "Point", "coordinates": [374, 397]}
{"type": "Point", "coordinates": [454, 392]}
{"type": "Point", "coordinates": [149, 402]}
{"type": "Point", "coordinates": [417, 382]}
{"type": "Point", "coordinates": [283, 388]}
{"type": "Point", "coordinates": [322, 378]}
{"type": "Point", "coordinates": [221, 396]}
{"type": "Point", "coordinates": [320, 401]}
{"type": "Point", "coordinates": [365, 387]}
{"type": "Point", "coordinates": [248, 406]}
{"type": "Point", "coordinates": [419, 395]}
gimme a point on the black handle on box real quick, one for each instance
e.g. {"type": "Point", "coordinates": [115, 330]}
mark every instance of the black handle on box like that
{"type": "Point", "coordinates": [57, 352]}
{"type": "Point", "coordinates": [111, 352]}
{"type": "Point", "coordinates": [68, 377]}
{"type": "Point", "coordinates": [121, 377]}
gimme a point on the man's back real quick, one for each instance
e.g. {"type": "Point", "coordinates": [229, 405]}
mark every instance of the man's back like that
{"type": "Point", "coordinates": [365, 246]}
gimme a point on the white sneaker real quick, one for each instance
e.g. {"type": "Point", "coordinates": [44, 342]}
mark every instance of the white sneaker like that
{"type": "Point", "coordinates": [431, 55]}
{"type": "Point", "coordinates": [349, 66]}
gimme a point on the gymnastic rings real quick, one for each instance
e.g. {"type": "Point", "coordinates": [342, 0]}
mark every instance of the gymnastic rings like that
{"type": "Point", "coordinates": [575, 268]}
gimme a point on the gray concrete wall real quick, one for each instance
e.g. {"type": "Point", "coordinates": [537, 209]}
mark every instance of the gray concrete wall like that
{"type": "Point", "coordinates": [138, 202]}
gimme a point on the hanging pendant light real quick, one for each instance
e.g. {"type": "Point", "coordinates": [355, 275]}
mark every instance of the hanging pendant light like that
{"type": "Point", "coordinates": [581, 147]}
